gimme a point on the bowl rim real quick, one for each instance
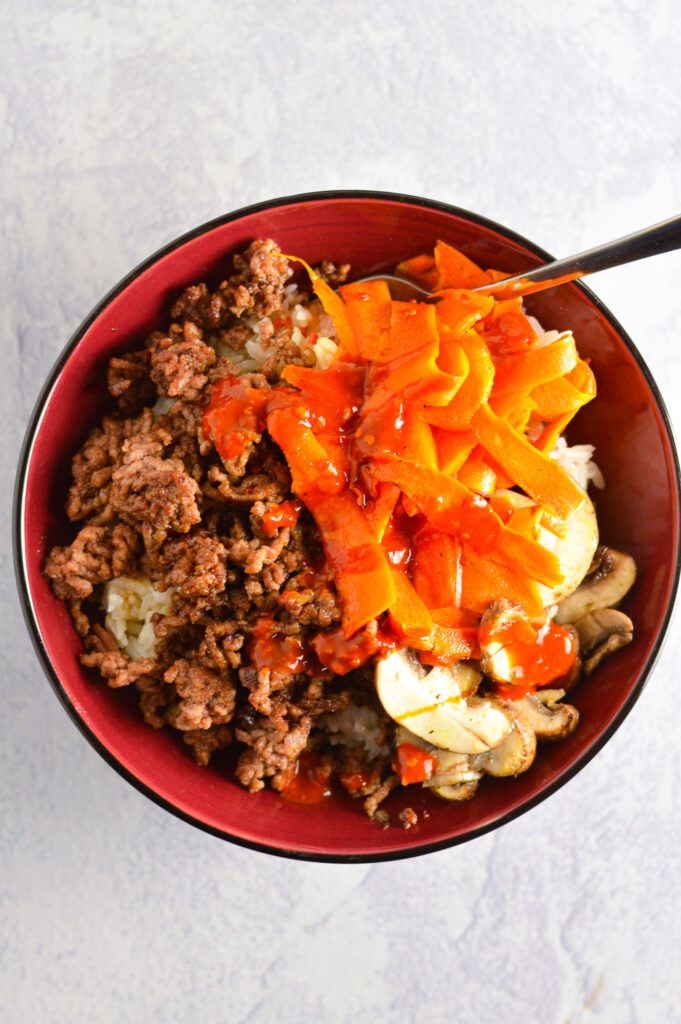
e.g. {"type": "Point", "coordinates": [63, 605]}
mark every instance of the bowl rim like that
{"type": "Point", "coordinates": [26, 601]}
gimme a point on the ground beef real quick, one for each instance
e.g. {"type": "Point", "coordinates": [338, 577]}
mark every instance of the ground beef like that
{"type": "Point", "coordinates": [204, 742]}
{"type": "Point", "coordinates": [258, 283]}
{"type": "Point", "coordinates": [179, 361]}
{"type": "Point", "coordinates": [256, 286]}
{"type": "Point", "coordinates": [371, 804]}
{"type": "Point", "coordinates": [128, 380]}
{"type": "Point", "coordinates": [197, 566]}
{"type": "Point", "coordinates": [235, 337]}
{"type": "Point", "coordinates": [272, 751]}
{"type": "Point", "coordinates": [408, 818]}
{"type": "Point", "coordinates": [332, 274]}
{"type": "Point", "coordinates": [93, 467]}
{"type": "Point", "coordinates": [221, 645]}
{"type": "Point", "coordinates": [203, 699]}
{"type": "Point", "coordinates": [97, 554]}
{"type": "Point", "coordinates": [219, 489]}
{"type": "Point", "coordinates": [152, 495]}
{"type": "Point", "coordinates": [114, 665]}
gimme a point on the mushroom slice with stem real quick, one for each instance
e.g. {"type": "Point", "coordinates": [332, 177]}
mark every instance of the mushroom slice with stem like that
{"type": "Point", "coordinates": [601, 633]}
{"type": "Point", "coordinates": [612, 575]}
{"type": "Point", "coordinates": [452, 769]}
{"type": "Point", "coordinates": [460, 791]}
{"type": "Point", "coordinates": [439, 711]}
{"type": "Point", "coordinates": [544, 713]}
{"type": "Point", "coordinates": [516, 753]}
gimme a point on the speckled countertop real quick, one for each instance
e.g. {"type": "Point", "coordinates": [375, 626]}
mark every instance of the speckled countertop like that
{"type": "Point", "coordinates": [122, 126]}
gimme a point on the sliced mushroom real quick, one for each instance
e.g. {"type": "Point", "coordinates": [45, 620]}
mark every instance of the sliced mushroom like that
{"type": "Point", "coordinates": [516, 753]}
{"type": "Point", "coordinates": [574, 551]}
{"type": "Point", "coordinates": [544, 713]}
{"type": "Point", "coordinates": [452, 769]}
{"type": "Point", "coordinates": [461, 791]}
{"type": "Point", "coordinates": [496, 656]}
{"type": "Point", "coordinates": [495, 661]}
{"type": "Point", "coordinates": [612, 576]}
{"type": "Point", "coordinates": [602, 633]}
{"type": "Point", "coordinates": [439, 711]}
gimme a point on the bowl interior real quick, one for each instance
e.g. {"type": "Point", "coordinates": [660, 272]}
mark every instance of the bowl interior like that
{"type": "Point", "coordinates": [638, 512]}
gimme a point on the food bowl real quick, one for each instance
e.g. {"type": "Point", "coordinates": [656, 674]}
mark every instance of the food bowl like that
{"type": "Point", "coordinates": [638, 512]}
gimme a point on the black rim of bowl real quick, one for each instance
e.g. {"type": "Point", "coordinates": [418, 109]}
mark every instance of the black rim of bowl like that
{"type": "Point", "coordinates": [27, 604]}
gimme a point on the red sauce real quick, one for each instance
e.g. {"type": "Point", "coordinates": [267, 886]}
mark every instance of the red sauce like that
{"type": "Point", "coordinates": [537, 656]}
{"type": "Point", "coordinates": [310, 781]}
{"type": "Point", "coordinates": [277, 652]}
{"type": "Point", "coordinates": [328, 400]}
{"type": "Point", "coordinates": [397, 543]}
{"type": "Point", "coordinates": [279, 516]}
{"type": "Point", "coordinates": [282, 321]}
{"type": "Point", "coordinates": [413, 764]}
{"type": "Point", "coordinates": [509, 334]}
{"type": "Point", "coordinates": [341, 654]}
{"type": "Point", "coordinates": [235, 416]}
{"type": "Point", "coordinates": [355, 781]}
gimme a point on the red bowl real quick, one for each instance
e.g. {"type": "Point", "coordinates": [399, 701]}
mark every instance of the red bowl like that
{"type": "Point", "coordinates": [639, 512]}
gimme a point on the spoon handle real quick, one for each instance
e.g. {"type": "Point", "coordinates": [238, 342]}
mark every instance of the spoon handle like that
{"type": "Point", "coordinates": [662, 237]}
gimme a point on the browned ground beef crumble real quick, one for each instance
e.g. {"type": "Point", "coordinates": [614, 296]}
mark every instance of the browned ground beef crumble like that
{"type": "Point", "coordinates": [154, 496]}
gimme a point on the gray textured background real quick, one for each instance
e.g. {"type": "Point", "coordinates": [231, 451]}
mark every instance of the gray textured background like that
{"type": "Point", "coordinates": [125, 125]}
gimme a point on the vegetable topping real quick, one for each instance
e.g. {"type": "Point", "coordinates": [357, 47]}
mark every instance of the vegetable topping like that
{"type": "Point", "coordinates": [400, 449]}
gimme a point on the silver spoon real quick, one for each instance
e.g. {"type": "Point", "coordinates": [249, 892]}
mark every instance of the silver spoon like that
{"type": "Point", "coordinates": [659, 238]}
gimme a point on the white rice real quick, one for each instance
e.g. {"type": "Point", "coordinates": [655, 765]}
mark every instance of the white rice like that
{"type": "Point", "coordinates": [357, 727]}
{"type": "Point", "coordinates": [577, 460]}
{"type": "Point", "coordinates": [307, 319]}
{"type": "Point", "coordinates": [129, 603]}
{"type": "Point", "coordinates": [545, 337]}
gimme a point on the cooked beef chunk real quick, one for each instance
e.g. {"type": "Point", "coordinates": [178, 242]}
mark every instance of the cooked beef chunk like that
{"type": "Point", "coordinates": [203, 698]}
{"type": "Point", "coordinates": [114, 665]}
{"type": "Point", "coordinates": [272, 751]}
{"type": "Point", "coordinates": [128, 380]}
{"type": "Point", "coordinates": [151, 493]}
{"type": "Point", "coordinates": [256, 286]}
{"type": "Point", "coordinates": [96, 555]}
{"type": "Point", "coordinates": [179, 361]}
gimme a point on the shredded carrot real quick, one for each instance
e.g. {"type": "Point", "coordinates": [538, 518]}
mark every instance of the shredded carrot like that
{"type": "Point", "coordinates": [409, 615]}
{"type": "Point", "coordinates": [456, 270]}
{"type": "Point", "coordinates": [536, 366]}
{"type": "Point", "coordinates": [422, 270]}
{"type": "Point", "coordinates": [477, 474]}
{"type": "Point", "coordinates": [540, 476]}
{"type": "Point", "coordinates": [474, 391]}
{"type": "Point", "coordinates": [453, 448]}
{"type": "Point", "coordinates": [368, 311]}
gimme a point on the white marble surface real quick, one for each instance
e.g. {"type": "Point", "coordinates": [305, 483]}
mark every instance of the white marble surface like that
{"type": "Point", "coordinates": [123, 125]}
